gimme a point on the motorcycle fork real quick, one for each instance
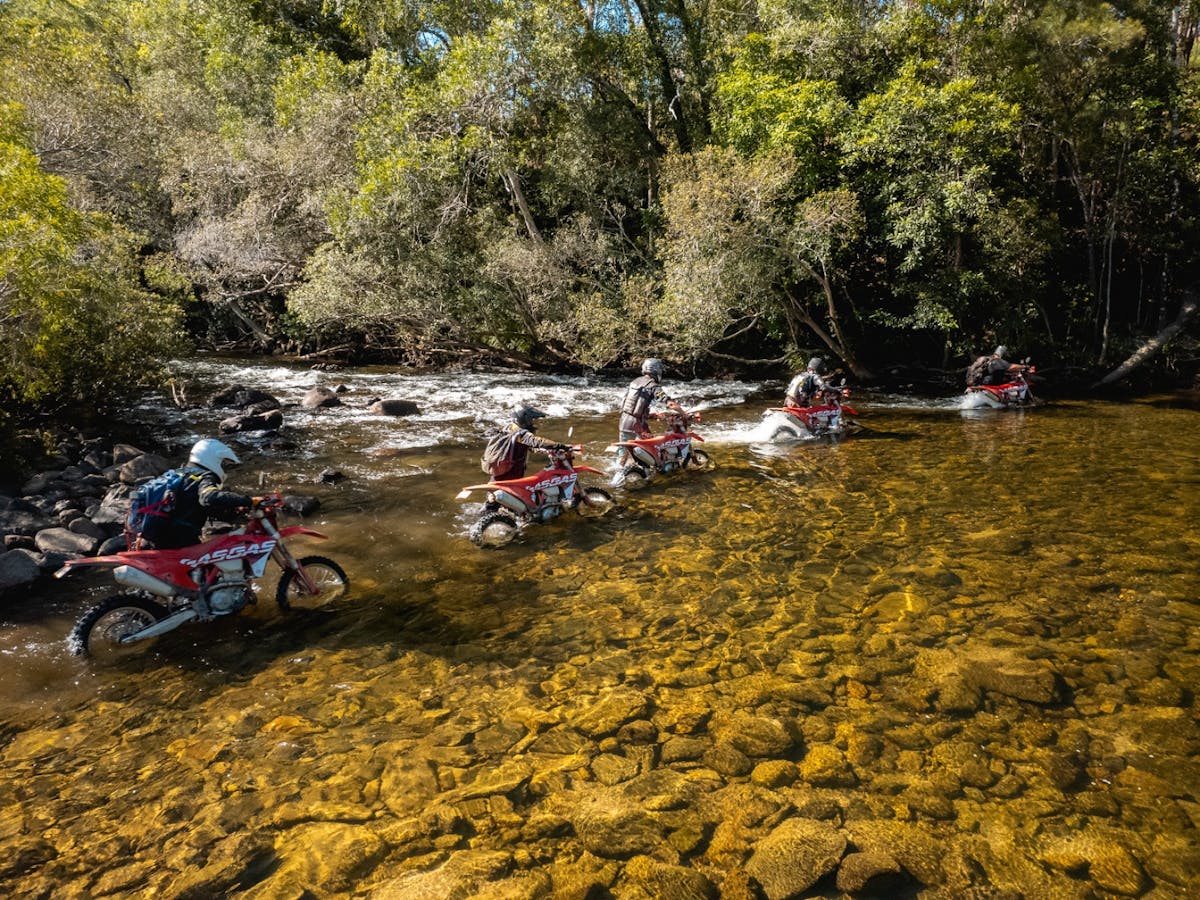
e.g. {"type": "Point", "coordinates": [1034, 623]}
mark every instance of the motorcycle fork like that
{"type": "Point", "coordinates": [286, 560]}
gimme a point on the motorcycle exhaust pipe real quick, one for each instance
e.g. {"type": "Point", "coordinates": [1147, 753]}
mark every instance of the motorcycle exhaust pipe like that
{"type": "Point", "coordinates": [162, 626]}
{"type": "Point", "coordinates": [144, 581]}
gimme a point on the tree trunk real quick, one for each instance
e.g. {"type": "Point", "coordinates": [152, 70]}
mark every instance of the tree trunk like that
{"type": "Point", "coordinates": [1149, 349]}
{"type": "Point", "coordinates": [513, 182]}
{"type": "Point", "coordinates": [837, 346]}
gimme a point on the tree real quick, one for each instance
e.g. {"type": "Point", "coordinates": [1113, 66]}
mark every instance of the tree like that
{"type": "Point", "coordinates": [74, 324]}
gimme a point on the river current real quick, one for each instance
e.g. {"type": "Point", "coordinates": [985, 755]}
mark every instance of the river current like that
{"type": "Point", "coordinates": [952, 655]}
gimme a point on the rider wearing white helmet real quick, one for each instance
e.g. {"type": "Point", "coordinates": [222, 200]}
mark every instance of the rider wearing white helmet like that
{"type": "Point", "coordinates": [195, 496]}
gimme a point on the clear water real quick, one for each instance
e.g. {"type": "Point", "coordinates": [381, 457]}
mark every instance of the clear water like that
{"type": "Point", "coordinates": [962, 640]}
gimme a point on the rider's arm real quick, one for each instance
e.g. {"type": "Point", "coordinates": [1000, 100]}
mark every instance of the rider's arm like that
{"type": "Point", "coordinates": [529, 439]}
{"type": "Point", "coordinates": [213, 498]}
{"type": "Point", "coordinates": [668, 401]}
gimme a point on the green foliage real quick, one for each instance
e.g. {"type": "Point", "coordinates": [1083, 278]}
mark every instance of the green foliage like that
{"type": "Point", "coordinates": [74, 325]}
{"type": "Point", "coordinates": [591, 182]}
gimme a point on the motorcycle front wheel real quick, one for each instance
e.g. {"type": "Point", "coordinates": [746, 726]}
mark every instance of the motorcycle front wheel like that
{"type": "Point", "coordinates": [594, 502]}
{"type": "Point", "coordinates": [699, 460]}
{"type": "Point", "coordinates": [327, 577]}
{"type": "Point", "coordinates": [784, 433]}
{"type": "Point", "coordinates": [634, 477]}
{"type": "Point", "coordinates": [98, 633]}
{"type": "Point", "coordinates": [494, 529]}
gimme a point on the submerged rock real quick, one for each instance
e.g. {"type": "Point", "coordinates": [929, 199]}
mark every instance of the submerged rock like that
{"type": "Point", "coordinates": [795, 856]}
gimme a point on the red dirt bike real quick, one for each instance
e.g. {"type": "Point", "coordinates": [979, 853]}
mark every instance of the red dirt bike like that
{"type": "Point", "coordinates": [1015, 393]}
{"type": "Point", "coordinates": [652, 455]}
{"type": "Point", "coordinates": [173, 587]}
{"type": "Point", "coordinates": [536, 498]}
{"type": "Point", "coordinates": [828, 416]}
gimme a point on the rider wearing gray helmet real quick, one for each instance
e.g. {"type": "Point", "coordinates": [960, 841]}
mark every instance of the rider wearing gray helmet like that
{"type": "Point", "coordinates": [807, 385]}
{"type": "Point", "coordinates": [641, 393]}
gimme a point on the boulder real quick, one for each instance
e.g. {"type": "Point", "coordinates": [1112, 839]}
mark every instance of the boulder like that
{"type": "Point", "coordinates": [394, 408]}
{"type": "Point", "coordinates": [265, 421]}
{"type": "Point", "coordinates": [86, 527]}
{"type": "Point", "coordinates": [123, 453]}
{"type": "Point", "coordinates": [17, 569]}
{"type": "Point", "coordinates": [142, 468]}
{"type": "Point", "coordinates": [60, 540]}
{"type": "Point", "coordinates": [239, 396]}
{"type": "Point", "coordinates": [331, 476]}
{"type": "Point", "coordinates": [319, 397]}
{"type": "Point", "coordinates": [23, 522]}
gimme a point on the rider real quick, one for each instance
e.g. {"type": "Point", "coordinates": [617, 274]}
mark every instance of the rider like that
{"type": "Point", "coordinates": [635, 407]}
{"type": "Point", "coordinates": [994, 369]}
{"type": "Point", "coordinates": [520, 431]}
{"type": "Point", "coordinates": [197, 497]}
{"type": "Point", "coordinates": [805, 387]}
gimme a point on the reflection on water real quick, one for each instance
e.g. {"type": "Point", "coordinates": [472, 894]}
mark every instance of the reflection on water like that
{"type": "Point", "coordinates": [953, 654]}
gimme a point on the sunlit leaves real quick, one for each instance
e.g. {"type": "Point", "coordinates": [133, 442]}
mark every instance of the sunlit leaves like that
{"type": "Point", "coordinates": [74, 323]}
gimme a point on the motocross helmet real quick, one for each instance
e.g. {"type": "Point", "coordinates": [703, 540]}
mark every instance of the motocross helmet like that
{"type": "Point", "coordinates": [525, 416]}
{"type": "Point", "coordinates": [1001, 352]}
{"type": "Point", "coordinates": [817, 365]}
{"type": "Point", "coordinates": [653, 368]}
{"type": "Point", "coordinates": [211, 454]}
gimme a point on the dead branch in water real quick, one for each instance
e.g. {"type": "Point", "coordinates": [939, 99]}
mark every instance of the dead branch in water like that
{"type": "Point", "coordinates": [1151, 348]}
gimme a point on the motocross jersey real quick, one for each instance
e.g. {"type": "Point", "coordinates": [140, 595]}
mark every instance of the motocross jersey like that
{"type": "Point", "coordinates": [522, 440]}
{"type": "Point", "coordinates": [635, 407]}
{"type": "Point", "coordinates": [200, 497]}
{"type": "Point", "coordinates": [803, 388]}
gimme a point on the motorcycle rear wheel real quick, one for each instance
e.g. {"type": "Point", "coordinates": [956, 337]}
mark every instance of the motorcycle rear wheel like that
{"type": "Point", "coordinates": [594, 502]}
{"type": "Point", "coordinates": [328, 577]}
{"type": "Point", "coordinates": [98, 633]}
{"type": "Point", "coordinates": [634, 477]}
{"type": "Point", "coordinates": [494, 529]}
{"type": "Point", "coordinates": [699, 460]}
{"type": "Point", "coordinates": [784, 433]}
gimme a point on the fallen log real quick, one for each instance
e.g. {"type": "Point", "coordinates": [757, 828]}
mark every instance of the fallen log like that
{"type": "Point", "coordinates": [1149, 349]}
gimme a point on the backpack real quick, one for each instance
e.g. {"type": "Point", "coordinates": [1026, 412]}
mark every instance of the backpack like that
{"type": "Point", "coordinates": [498, 452]}
{"type": "Point", "coordinates": [154, 501]}
{"type": "Point", "coordinates": [977, 371]}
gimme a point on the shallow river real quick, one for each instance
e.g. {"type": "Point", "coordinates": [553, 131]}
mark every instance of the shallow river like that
{"type": "Point", "coordinates": [952, 655]}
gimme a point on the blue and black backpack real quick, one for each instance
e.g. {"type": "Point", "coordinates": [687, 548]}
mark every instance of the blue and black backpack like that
{"type": "Point", "coordinates": [153, 502]}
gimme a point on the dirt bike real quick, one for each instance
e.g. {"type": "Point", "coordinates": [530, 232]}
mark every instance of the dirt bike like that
{"type": "Point", "coordinates": [1015, 393]}
{"type": "Point", "coordinates": [651, 455]}
{"type": "Point", "coordinates": [515, 503]}
{"type": "Point", "coordinates": [170, 588]}
{"type": "Point", "coordinates": [828, 416]}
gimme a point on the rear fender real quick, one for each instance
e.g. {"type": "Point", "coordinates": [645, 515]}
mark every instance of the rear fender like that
{"type": "Point", "coordinates": [104, 561]}
{"type": "Point", "coordinates": [466, 492]}
{"type": "Point", "coordinates": [588, 469]}
{"type": "Point", "coordinates": [850, 409]}
{"type": "Point", "coordinates": [695, 437]}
